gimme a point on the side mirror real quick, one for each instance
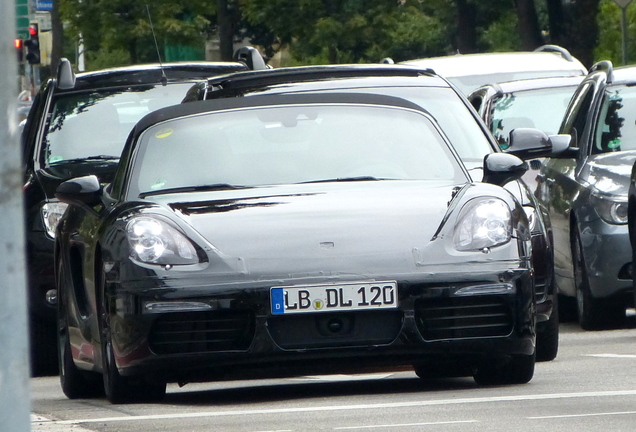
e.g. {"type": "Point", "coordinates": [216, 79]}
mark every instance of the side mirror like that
{"type": "Point", "coordinates": [80, 190]}
{"type": "Point", "coordinates": [502, 168]}
{"type": "Point", "coordinates": [560, 143]}
{"type": "Point", "coordinates": [529, 143]}
{"type": "Point", "coordinates": [561, 147]}
{"type": "Point", "coordinates": [65, 75]}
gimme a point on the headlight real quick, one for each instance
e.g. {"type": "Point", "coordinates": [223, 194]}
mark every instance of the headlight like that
{"type": "Point", "coordinates": [483, 223]}
{"type": "Point", "coordinates": [154, 241]}
{"type": "Point", "coordinates": [51, 214]}
{"type": "Point", "coordinates": [611, 208]}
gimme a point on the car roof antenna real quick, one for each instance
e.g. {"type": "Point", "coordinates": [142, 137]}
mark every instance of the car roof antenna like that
{"type": "Point", "coordinates": [164, 78]}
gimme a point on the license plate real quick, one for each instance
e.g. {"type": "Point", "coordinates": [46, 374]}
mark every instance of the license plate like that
{"type": "Point", "coordinates": [327, 298]}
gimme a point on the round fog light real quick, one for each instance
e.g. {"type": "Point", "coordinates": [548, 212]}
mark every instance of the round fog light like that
{"type": "Point", "coordinates": [51, 297]}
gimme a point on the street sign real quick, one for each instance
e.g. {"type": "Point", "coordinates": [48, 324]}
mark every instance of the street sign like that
{"type": "Point", "coordinates": [623, 3]}
{"type": "Point", "coordinates": [43, 5]}
{"type": "Point", "coordinates": [22, 19]}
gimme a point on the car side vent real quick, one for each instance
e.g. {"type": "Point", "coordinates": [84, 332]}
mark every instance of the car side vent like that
{"type": "Point", "coordinates": [202, 332]}
{"type": "Point", "coordinates": [463, 317]}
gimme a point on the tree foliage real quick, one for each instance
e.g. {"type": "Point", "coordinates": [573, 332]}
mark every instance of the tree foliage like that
{"type": "Point", "coordinates": [342, 31]}
{"type": "Point", "coordinates": [610, 39]}
{"type": "Point", "coordinates": [120, 30]}
{"type": "Point", "coordinates": [348, 31]}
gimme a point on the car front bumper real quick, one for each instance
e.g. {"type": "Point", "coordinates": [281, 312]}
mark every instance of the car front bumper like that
{"type": "Point", "coordinates": [608, 258]}
{"type": "Point", "coordinates": [228, 332]}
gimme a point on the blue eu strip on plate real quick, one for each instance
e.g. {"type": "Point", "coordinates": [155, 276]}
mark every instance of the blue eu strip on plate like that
{"type": "Point", "coordinates": [278, 301]}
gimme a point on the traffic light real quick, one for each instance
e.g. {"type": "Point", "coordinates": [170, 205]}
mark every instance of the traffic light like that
{"type": "Point", "coordinates": [19, 47]}
{"type": "Point", "coordinates": [33, 45]}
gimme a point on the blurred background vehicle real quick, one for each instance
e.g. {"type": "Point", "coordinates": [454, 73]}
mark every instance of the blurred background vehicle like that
{"type": "Point", "coordinates": [78, 125]}
{"type": "Point", "coordinates": [470, 71]}
{"type": "Point", "coordinates": [585, 192]}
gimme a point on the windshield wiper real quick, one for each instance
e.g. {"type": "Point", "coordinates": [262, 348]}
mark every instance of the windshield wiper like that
{"type": "Point", "coordinates": [86, 159]}
{"type": "Point", "coordinates": [212, 187]}
{"type": "Point", "coordinates": [345, 179]}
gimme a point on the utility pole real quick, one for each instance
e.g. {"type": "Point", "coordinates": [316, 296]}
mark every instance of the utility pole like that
{"type": "Point", "coordinates": [15, 400]}
{"type": "Point", "coordinates": [623, 5]}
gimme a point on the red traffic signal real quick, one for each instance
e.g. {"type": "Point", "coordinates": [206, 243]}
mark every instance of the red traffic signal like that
{"type": "Point", "coordinates": [19, 47]}
{"type": "Point", "coordinates": [33, 31]}
{"type": "Point", "coordinates": [33, 45]}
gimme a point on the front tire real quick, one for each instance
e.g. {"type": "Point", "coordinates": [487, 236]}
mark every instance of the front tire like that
{"type": "Point", "coordinates": [548, 335]}
{"type": "Point", "coordinates": [122, 389]}
{"type": "Point", "coordinates": [76, 384]}
{"type": "Point", "coordinates": [518, 370]}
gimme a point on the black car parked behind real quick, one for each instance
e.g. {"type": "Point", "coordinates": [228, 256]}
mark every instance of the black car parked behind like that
{"type": "Point", "coordinates": [77, 126]}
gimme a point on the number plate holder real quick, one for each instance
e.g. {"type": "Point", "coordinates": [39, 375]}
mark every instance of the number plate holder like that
{"type": "Point", "coordinates": [350, 296]}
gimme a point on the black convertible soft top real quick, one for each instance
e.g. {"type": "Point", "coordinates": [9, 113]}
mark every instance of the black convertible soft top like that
{"type": "Point", "coordinates": [152, 74]}
{"type": "Point", "coordinates": [193, 108]}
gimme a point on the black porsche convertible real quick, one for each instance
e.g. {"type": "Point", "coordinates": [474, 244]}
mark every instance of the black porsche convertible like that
{"type": "Point", "coordinates": [289, 235]}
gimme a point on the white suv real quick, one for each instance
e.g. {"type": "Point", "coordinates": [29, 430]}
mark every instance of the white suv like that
{"type": "Point", "coordinates": [470, 71]}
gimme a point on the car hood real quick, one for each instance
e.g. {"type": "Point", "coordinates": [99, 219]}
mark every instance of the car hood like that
{"type": "Point", "coordinates": [370, 227]}
{"type": "Point", "coordinates": [342, 216]}
{"type": "Point", "coordinates": [610, 173]}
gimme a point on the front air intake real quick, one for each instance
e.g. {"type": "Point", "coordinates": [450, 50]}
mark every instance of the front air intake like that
{"type": "Point", "coordinates": [463, 317]}
{"type": "Point", "coordinates": [202, 332]}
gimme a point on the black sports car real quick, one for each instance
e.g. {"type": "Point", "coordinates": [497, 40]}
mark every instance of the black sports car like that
{"type": "Point", "coordinates": [288, 235]}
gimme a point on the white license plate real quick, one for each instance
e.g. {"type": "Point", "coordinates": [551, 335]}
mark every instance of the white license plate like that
{"type": "Point", "coordinates": [328, 298]}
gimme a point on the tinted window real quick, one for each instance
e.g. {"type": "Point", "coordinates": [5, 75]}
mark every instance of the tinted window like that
{"type": "Point", "coordinates": [616, 128]}
{"type": "Point", "coordinates": [92, 124]}
{"type": "Point", "coordinates": [540, 108]}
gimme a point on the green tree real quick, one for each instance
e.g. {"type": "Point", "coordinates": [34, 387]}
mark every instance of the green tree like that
{"type": "Point", "coordinates": [574, 26]}
{"type": "Point", "coordinates": [119, 32]}
{"type": "Point", "coordinates": [610, 35]}
{"type": "Point", "coordinates": [348, 31]}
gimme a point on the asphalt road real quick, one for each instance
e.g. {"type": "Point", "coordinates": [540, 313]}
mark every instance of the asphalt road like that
{"type": "Point", "coordinates": [591, 386]}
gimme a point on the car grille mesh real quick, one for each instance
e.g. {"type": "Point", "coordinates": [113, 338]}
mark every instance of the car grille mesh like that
{"type": "Point", "coordinates": [202, 332]}
{"type": "Point", "coordinates": [463, 317]}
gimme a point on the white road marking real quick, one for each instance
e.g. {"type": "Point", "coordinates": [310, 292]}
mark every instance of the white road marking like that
{"type": "Point", "coordinates": [336, 377]}
{"type": "Point", "coordinates": [404, 425]}
{"type": "Point", "coordinates": [281, 430]}
{"type": "Point", "coordinates": [611, 355]}
{"type": "Point", "coordinates": [43, 424]}
{"type": "Point", "coordinates": [583, 415]}
{"type": "Point", "coordinates": [332, 408]}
